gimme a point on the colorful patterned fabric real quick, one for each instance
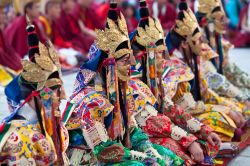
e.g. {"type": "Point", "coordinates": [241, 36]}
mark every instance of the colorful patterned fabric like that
{"type": "Point", "coordinates": [111, 152]}
{"type": "Point", "coordinates": [175, 147]}
{"type": "Point", "coordinates": [221, 84]}
{"type": "Point", "coordinates": [166, 154]}
{"type": "Point", "coordinates": [213, 113]}
{"type": "Point", "coordinates": [235, 75]}
{"type": "Point", "coordinates": [179, 72]}
{"type": "Point", "coordinates": [26, 146]}
{"type": "Point", "coordinates": [160, 127]}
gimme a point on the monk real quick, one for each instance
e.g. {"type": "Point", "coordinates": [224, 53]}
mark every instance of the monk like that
{"type": "Point", "coordinates": [8, 57]}
{"type": "Point", "coordinates": [129, 11]}
{"type": "Point", "coordinates": [70, 29]}
{"type": "Point", "coordinates": [242, 38]}
{"type": "Point", "coordinates": [16, 30]}
{"type": "Point", "coordinates": [47, 24]}
{"type": "Point", "coordinates": [87, 17]}
{"type": "Point", "coordinates": [165, 12]}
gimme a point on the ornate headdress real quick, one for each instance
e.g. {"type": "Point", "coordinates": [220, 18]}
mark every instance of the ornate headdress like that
{"type": "Point", "coordinates": [112, 37]}
{"type": "Point", "coordinates": [149, 37]}
{"type": "Point", "coordinates": [207, 6]}
{"type": "Point", "coordinates": [43, 67]}
{"type": "Point", "coordinates": [186, 24]}
{"type": "Point", "coordinates": [149, 33]}
{"type": "Point", "coordinates": [114, 42]}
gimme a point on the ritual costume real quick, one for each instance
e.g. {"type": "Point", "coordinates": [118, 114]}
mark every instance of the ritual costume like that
{"type": "Point", "coordinates": [32, 134]}
{"type": "Point", "coordinates": [211, 17]}
{"type": "Point", "coordinates": [149, 45]}
{"type": "Point", "coordinates": [102, 106]}
{"type": "Point", "coordinates": [189, 94]}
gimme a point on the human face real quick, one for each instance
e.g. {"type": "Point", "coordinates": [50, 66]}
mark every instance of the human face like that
{"type": "Point", "coordinates": [161, 2]}
{"type": "Point", "coordinates": [54, 11]}
{"type": "Point", "coordinates": [200, 47]}
{"type": "Point", "coordinates": [129, 12]}
{"type": "Point", "coordinates": [220, 21]}
{"type": "Point", "coordinates": [123, 67]}
{"type": "Point", "coordinates": [84, 3]}
{"type": "Point", "coordinates": [69, 5]}
{"type": "Point", "coordinates": [33, 12]}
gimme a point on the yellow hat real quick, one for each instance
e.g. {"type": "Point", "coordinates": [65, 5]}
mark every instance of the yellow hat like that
{"type": "Point", "coordinates": [20, 4]}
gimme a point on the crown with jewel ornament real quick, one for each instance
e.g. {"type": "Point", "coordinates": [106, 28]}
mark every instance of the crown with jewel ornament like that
{"type": "Point", "coordinates": [149, 31]}
{"type": "Point", "coordinates": [43, 63]}
{"type": "Point", "coordinates": [112, 37]}
{"type": "Point", "coordinates": [188, 24]}
{"type": "Point", "coordinates": [207, 6]}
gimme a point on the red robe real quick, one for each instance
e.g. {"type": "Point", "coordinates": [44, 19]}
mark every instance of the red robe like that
{"type": "Point", "coordinates": [8, 57]}
{"type": "Point", "coordinates": [50, 31]}
{"type": "Point", "coordinates": [70, 31]}
{"type": "Point", "coordinates": [17, 35]}
{"type": "Point", "coordinates": [168, 18]}
{"type": "Point", "coordinates": [132, 24]}
{"type": "Point", "coordinates": [241, 39]}
{"type": "Point", "coordinates": [88, 16]}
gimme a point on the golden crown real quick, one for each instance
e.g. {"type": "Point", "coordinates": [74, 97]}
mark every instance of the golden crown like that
{"type": "Point", "coordinates": [152, 33]}
{"type": "Point", "coordinates": [187, 26]}
{"type": "Point", "coordinates": [206, 6]}
{"type": "Point", "coordinates": [109, 39]}
{"type": "Point", "coordinates": [46, 63]}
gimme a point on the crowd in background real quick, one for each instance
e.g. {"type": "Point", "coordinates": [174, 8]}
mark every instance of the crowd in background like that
{"type": "Point", "coordinates": [70, 24]}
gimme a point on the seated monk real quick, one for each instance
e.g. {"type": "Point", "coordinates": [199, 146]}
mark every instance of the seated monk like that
{"type": "Point", "coordinates": [8, 57]}
{"type": "Point", "coordinates": [165, 12]}
{"type": "Point", "coordinates": [16, 30]}
{"type": "Point", "coordinates": [70, 29]}
{"type": "Point", "coordinates": [47, 23]}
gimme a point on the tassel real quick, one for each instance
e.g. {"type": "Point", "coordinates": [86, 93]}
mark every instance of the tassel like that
{"type": "Point", "coordinates": [76, 157]}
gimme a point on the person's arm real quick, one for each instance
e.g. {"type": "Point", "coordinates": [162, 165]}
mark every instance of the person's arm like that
{"type": "Point", "coordinates": [244, 26]}
{"type": "Point", "coordinates": [86, 30]}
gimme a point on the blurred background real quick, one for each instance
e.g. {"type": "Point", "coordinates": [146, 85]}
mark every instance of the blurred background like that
{"type": "Point", "coordinates": [70, 25]}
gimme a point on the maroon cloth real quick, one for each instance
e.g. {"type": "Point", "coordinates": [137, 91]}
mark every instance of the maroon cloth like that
{"type": "Point", "coordinates": [17, 35]}
{"type": "Point", "coordinates": [241, 38]}
{"type": "Point", "coordinates": [132, 24]}
{"type": "Point", "coordinates": [55, 35]}
{"type": "Point", "coordinates": [8, 57]}
{"type": "Point", "coordinates": [70, 31]}
{"type": "Point", "coordinates": [167, 19]}
{"type": "Point", "coordinates": [88, 16]}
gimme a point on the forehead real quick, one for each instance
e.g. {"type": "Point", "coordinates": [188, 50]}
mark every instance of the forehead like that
{"type": "Point", "coordinates": [124, 57]}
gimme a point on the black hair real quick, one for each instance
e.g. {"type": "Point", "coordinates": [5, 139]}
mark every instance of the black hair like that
{"type": "Point", "coordinates": [176, 38]}
{"type": "Point", "coordinates": [28, 6]}
{"type": "Point", "coordinates": [216, 9]}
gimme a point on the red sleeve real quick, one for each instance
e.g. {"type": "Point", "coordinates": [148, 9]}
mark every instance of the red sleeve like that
{"type": "Point", "coordinates": [187, 122]}
{"type": "Point", "coordinates": [161, 126]}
